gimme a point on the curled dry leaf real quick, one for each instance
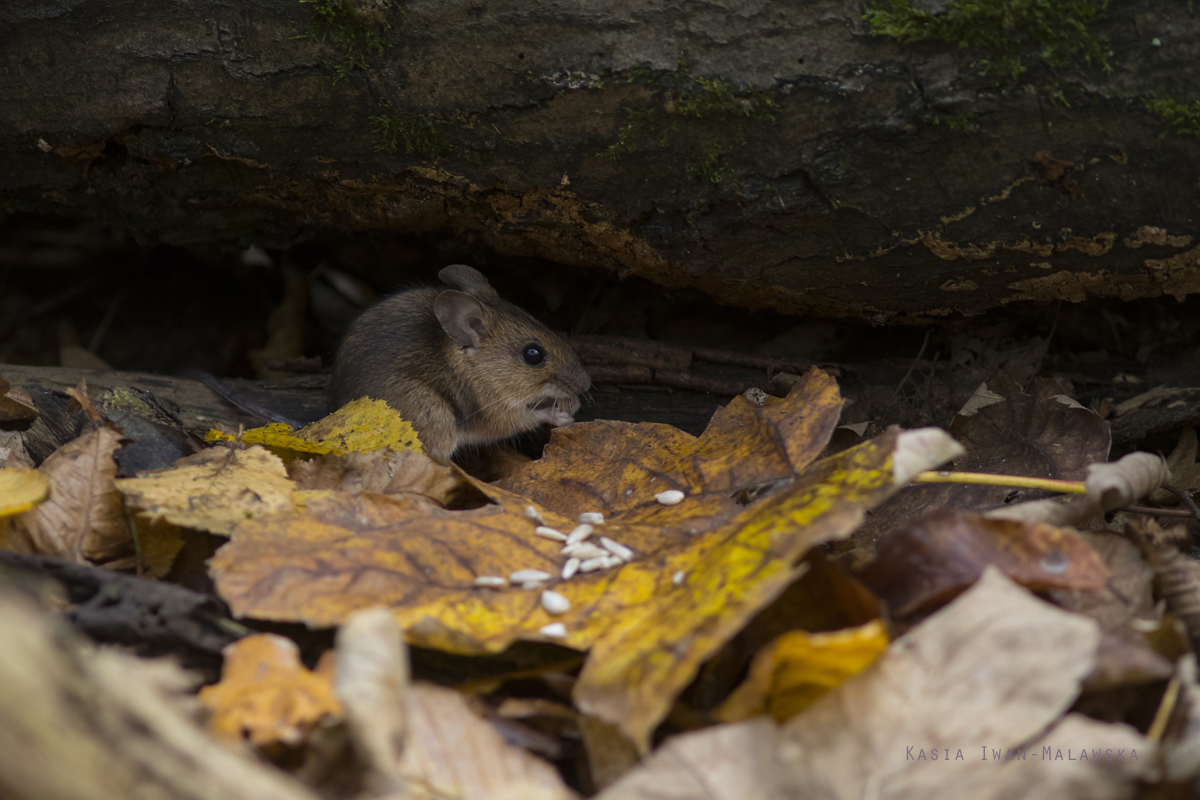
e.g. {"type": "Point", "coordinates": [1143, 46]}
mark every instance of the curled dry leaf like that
{"type": "Point", "coordinates": [82, 518]}
{"type": "Point", "coordinates": [266, 696]}
{"type": "Point", "coordinates": [1176, 575]}
{"type": "Point", "coordinates": [362, 426]}
{"type": "Point", "coordinates": [994, 669]}
{"type": "Point", "coordinates": [1109, 486]}
{"type": "Point", "coordinates": [788, 675]}
{"type": "Point", "coordinates": [21, 490]}
{"type": "Point", "coordinates": [214, 490]}
{"type": "Point", "coordinates": [936, 558]}
{"type": "Point", "coordinates": [725, 761]}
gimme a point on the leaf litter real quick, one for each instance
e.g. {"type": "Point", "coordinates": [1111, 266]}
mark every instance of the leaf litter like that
{"type": "Point", "coordinates": [696, 547]}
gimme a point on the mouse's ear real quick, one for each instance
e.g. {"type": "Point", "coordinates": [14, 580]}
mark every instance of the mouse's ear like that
{"type": "Point", "coordinates": [467, 279]}
{"type": "Point", "coordinates": [461, 317]}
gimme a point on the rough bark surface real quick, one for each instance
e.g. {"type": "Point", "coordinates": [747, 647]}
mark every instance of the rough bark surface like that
{"type": "Point", "coordinates": [814, 168]}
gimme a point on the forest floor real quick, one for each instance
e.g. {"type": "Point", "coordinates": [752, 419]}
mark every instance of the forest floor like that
{"type": "Point", "coordinates": [878, 624]}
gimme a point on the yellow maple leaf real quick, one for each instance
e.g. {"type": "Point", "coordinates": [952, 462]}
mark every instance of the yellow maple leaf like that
{"type": "Point", "coordinates": [798, 667]}
{"type": "Point", "coordinates": [21, 490]}
{"type": "Point", "coordinates": [361, 426]}
{"type": "Point", "coordinates": [214, 490]}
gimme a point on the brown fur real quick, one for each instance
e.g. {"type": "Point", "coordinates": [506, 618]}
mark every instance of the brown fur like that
{"type": "Point", "coordinates": [400, 352]}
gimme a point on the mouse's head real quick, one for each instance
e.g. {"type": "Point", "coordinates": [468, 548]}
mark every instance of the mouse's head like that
{"type": "Point", "coordinates": [524, 373]}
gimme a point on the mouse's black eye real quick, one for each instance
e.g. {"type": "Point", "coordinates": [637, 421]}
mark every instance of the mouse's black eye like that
{"type": "Point", "coordinates": [533, 354]}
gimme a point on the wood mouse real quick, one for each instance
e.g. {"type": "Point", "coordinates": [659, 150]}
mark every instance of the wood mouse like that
{"type": "Point", "coordinates": [460, 364]}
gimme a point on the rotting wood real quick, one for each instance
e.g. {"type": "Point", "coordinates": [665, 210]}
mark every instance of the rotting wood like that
{"type": "Point", "coordinates": [796, 162]}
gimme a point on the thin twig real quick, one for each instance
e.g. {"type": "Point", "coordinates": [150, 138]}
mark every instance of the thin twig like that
{"type": "Point", "coordinates": [1037, 365]}
{"type": "Point", "coordinates": [1185, 497]}
{"type": "Point", "coordinates": [987, 479]}
{"type": "Point", "coordinates": [1155, 512]}
{"type": "Point", "coordinates": [908, 374]}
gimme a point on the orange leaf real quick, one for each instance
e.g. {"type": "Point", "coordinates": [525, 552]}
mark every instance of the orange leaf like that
{"type": "Point", "coordinates": [266, 696]}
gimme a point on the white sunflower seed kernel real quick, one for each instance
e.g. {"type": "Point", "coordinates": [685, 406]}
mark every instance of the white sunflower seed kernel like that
{"type": "Point", "coordinates": [580, 533]}
{"type": "Point", "coordinates": [570, 568]}
{"type": "Point", "coordinates": [611, 561]}
{"type": "Point", "coordinates": [534, 515]}
{"type": "Point", "coordinates": [670, 497]}
{"type": "Point", "coordinates": [584, 551]}
{"type": "Point", "coordinates": [494, 581]}
{"type": "Point", "coordinates": [533, 584]}
{"type": "Point", "coordinates": [592, 518]}
{"type": "Point", "coordinates": [677, 579]}
{"type": "Point", "coordinates": [592, 564]}
{"type": "Point", "coordinates": [555, 603]}
{"type": "Point", "coordinates": [555, 630]}
{"type": "Point", "coordinates": [616, 548]}
{"type": "Point", "coordinates": [522, 575]}
{"type": "Point", "coordinates": [550, 533]}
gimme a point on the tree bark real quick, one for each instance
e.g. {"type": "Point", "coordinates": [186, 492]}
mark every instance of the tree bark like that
{"type": "Point", "coordinates": [772, 154]}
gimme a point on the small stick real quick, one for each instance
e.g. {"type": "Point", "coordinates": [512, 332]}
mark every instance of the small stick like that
{"type": "Point", "coordinates": [987, 479]}
{"type": "Point", "coordinates": [1165, 708]}
{"type": "Point", "coordinates": [907, 375]}
{"type": "Point", "coordinates": [1185, 497]}
{"type": "Point", "coordinates": [1156, 512]}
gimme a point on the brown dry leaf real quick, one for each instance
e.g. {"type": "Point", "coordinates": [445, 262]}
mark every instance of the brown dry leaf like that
{"type": "Point", "coordinates": [401, 472]}
{"type": "Point", "coordinates": [421, 741]}
{"type": "Point", "coordinates": [680, 595]}
{"type": "Point", "coordinates": [934, 559]}
{"type": "Point", "coordinates": [617, 468]}
{"type": "Point", "coordinates": [610, 754]}
{"type": "Point", "coordinates": [1005, 431]}
{"type": "Point", "coordinates": [725, 762]}
{"type": "Point", "coordinates": [214, 490]}
{"type": "Point", "coordinates": [83, 518]}
{"type": "Point", "coordinates": [15, 404]}
{"type": "Point", "coordinates": [266, 696]}
{"type": "Point", "coordinates": [788, 675]}
{"type": "Point", "coordinates": [993, 669]}
{"type": "Point", "coordinates": [1078, 759]}
{"type": "Point", "coordinates": [158, 543]}
{"type": "Point", "coordinates": [1124, 608]}
{"type": "Point", "coordinates": [451, 752]}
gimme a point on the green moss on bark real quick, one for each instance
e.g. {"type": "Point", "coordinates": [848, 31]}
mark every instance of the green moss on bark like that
{"type": "Point", "coordinates": [1005, 29]}
{"type": "Point", "coordinates": [1180, 119]}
